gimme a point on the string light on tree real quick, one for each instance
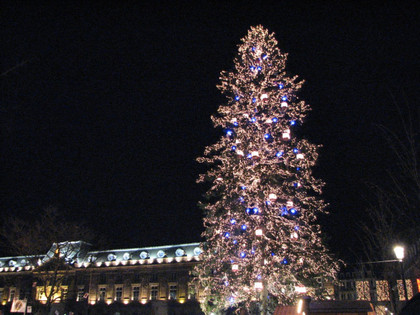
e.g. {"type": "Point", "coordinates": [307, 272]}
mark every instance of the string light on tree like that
{"type": "Point", "coordinates": [260, 219]}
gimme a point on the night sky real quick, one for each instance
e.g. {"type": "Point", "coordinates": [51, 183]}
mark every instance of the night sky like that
{"type": "Point", "coordinates": [105, 107]}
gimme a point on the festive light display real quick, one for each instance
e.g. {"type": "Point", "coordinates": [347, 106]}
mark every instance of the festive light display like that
{"type": "Point", "coordinates": [260, 224]}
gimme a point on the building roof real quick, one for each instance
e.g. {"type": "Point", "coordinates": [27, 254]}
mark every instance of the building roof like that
{"type": "Point", "coordinates": [77, 253]}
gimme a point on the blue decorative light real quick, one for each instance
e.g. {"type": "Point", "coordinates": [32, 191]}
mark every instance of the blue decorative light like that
{"type": "Point", "coordinates": [293, 211]}
{"type": "Point", "coordinates": [232, 221]}
{"type": "Point", "coordinates": [259, 68]}
{"type": "Point", "coordinates": [281, 86]}
{"type": "Point", "coordinates": [249, 156]}
{"type": "Point", "coordinates": [226, 283]}
{"type": "Point", "coordinates": [297, 228]}
{"type": "Point", "coordinates": [252, 68]}
{"type": "Point", "coordinates": [243, 227]}
{"type": "Point", "coordinates": [292, 122]}
{"type": "Point", "coordinates": [229, 132]}
{"type": "Point", "coordinates": [272, 254]}
{"type": "Point", "coordinates": [233, 147]}
{"type": "Point", "coordinates": [243, 254]}
{"type": "Point", "coordinates": [241, 199]}
{"type": "Point", "coordinates": [252, 211]}
{"type": "Point", "coordinates": [227, 234]}
{"type": "Point", "coordinates": [296, 185]}
{"type": "Point", "coordinates": [237, 97]}
{"type": "Point", "coordinates": [253, 119]}
{"type": "Point", "coordinates": [253, 48]}
{"type": "Point", "coordinates": [259, 277]}
{"type": "Point", "coordinates": [284, 211]}
{"type": "Point", "coordinates": [274, 120]}
{"type": "Point", "coordinates": [264, 57]}
{"type": "Point", "coordinates": [267, 136]}
{"type": "Point", "coordinates": [284, 98]}
{"type": "Point", "coordinates": [243, 187]}
{"type": "Point", "coordinates": [268, 202]}
{"type": "Point", "coordinates": [235, 123]}
{"type": "Point", "coordinates": [231, 300]}
{"type": "Point", "coordinates": [253, 250]}
{"type": "Point", "coordinates": [284, 261]}
{"type": "Point", "coordinates": [295, 150]}
{"type": "Point", "coordinates": [254, 100]}
{"type": "Point", "coordinates": [298, 168]}
{"type": "Point", "coordinates": [235, 242]}
{"type": "Point", "coordinates": [279, 154]}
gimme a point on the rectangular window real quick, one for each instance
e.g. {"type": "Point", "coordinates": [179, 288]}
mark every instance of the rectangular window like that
{"type": "Point", "coordinates": [118, 294]}
{"type": "Point", "coordinates": [80, 294]}
{"type": "Point", "coordinates": [136, 293]}
{"type": "Point", "coordinates": [102, 294]}
{"type": "Point", "coordinates": [154, 289]}
{"type": "Point", "coordinates": [12, 293]}
{"type": "Point", "coordinates": [191, 292]}
{"type": "Point", "coordinates": [172, 292]}
{"type": "Point", "coordinates": [63, 291]}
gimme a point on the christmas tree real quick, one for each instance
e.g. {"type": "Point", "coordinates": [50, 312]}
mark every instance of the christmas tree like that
{"type": "Point", "coordinates": [262, 242]}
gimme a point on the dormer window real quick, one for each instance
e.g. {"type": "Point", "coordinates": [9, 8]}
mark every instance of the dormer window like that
{"type": "Point", "coordinates": [112, 257]}
{"type": "Point", "coordinates": [161, 254]}
{"type": "Point", "coordinates": [144, 255]}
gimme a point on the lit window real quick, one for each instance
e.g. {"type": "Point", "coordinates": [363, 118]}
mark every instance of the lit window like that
{"type": "Point", "coordinates": [102, 294]}
{"type": "Point", "coordinates": [80, 294]}
{"type": "Point", "coordinates": [118, 294]}
{"type": "Point", "coordinates": [136, 293]}
{"type": "Point", "coordinates": [154, 289]}
{"type": "Point", "coordinates": [12, 293]}
{"type": "Point", "coordinates": [172, 292]}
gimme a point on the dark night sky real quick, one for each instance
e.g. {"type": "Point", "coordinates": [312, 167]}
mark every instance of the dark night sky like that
{"type": "Point", "coordinates": [110, 105]}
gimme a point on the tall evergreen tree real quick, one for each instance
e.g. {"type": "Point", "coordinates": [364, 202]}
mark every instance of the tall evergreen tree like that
{"type": "Point", "coordinates": [261, 236]}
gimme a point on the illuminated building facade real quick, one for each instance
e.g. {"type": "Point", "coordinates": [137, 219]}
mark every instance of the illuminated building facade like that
{"type": "Point", "coordinates": [136, 279]}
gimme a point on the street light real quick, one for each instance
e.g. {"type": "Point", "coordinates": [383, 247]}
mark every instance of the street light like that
{"type": "Point", "coordinates": [399, 253]}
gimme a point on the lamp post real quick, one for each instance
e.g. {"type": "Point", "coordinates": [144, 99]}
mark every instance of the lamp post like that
{"type": "Point", "coordinates": [399, 253]}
